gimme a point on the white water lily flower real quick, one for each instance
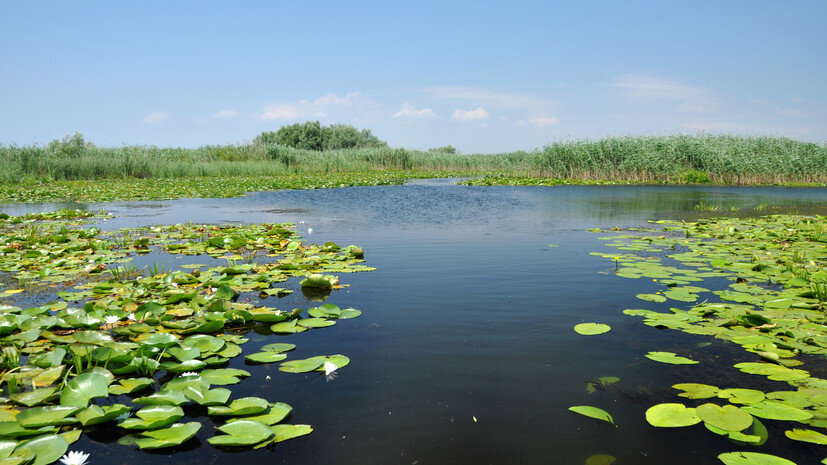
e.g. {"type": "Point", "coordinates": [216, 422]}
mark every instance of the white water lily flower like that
{"type": "Point", "coordinates": [111, 320]}
{"type": "Point", "coordinates": [74, 458]}
{"type": "Point", "coordinates": [329, 370]}
{"type": "Point", "coordinates": [131, 317]}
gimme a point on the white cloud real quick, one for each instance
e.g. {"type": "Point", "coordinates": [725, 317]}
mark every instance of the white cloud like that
{"type": "Point", "coordinates": [225, 114]}
{"type": "Point", "coordinates": [333, 99]}
{"type": "Point", "coordinates": [409, 111]}
{"type": "Point", "coordinates": [470, 115]}
{"type": "Point", "coordinates": [478, 94]}
{"type": "Point", "coordinates": [543, 120]}
{"type": "Point", "coordinates": [156, 117]}
{"type": "Point", "coordinates": [307, 109]}
{"type": "Point", "coordinates": [646, 88]}
{"type": "Point", "coordinates": [285, 111]}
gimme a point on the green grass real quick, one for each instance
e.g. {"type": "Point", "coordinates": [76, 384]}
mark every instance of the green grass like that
{"type": "Point", "coordinates": [677, 159]}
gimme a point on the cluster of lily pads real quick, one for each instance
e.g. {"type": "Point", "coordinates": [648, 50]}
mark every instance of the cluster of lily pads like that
{"type": "Point", "coordinates": [771, 299]}
{"type": "Point", "coordinates": [137, 347]}
{"type": "Point", "coordinates": [101, 190]}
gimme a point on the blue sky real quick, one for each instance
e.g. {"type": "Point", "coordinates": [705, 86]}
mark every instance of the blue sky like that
{"type": "Point", "coordinates": [482, 76]}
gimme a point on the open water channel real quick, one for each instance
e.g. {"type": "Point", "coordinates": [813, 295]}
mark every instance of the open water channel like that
{"type": "Point", "coordinates": [465, 351]}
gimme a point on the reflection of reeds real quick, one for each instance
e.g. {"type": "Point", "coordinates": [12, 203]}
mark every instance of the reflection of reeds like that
{"type": "Point", "coordinates": [651, 159]}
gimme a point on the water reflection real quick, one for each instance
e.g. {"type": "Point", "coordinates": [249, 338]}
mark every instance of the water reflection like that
{"type": "Point", "coordinates": [469, 316]}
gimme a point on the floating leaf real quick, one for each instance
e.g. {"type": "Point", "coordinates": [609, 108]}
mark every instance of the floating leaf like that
{"type": "Point", "coordinates": [806, 435]}
{"type": "Point", "coordinates": [94, 414]}
{"type": "Point", "coordinates": [285, 432]}
{"type": "Point", "coordinates": [302, 366]}
{"type": "Point", "coordinates": [600, 459]}
{"type": "Point", "coordinates": [771, 410]}
{"type": "Point", "coordinates": [651, 297]}
{"type": "Point", "coordinates": [238, 407]}
{"type": "Point", "coordinates": [696, 391]}
{"type": "Point", "coordinates": [592, 412]}
{"type": "Point", "coordinates": [153, 417]}
{"type": "Point", "coordinates": [46, 449]}
{"type": "Point", "coordinates": [175, 435]}
{"type": "Point", "coordinates": [670, 357]}
{"type": "Point", "coordinates": [276, 413]}
{"type": "Point", "coordinates": [728, 418]}
{"type": "Point", "coordinates": [591, 329]}
{"type": "Point", "coordinates": [84, 387]}
{"type": "Point", "coordinates": [671, 416]}
{"type": "Point", "coordinates": [265, 357]}
{"type": "Point", "coordinates": [752, 458]}
{"type": "Point", "coordinates": [50, 415]}
{"type": "Point", "coordinates": [242, 433]}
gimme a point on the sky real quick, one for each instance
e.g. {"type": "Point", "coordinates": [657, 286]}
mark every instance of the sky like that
{"type": "Point", "coordinates": [480, 76]}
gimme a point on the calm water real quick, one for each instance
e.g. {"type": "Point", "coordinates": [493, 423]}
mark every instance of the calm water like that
{"type": "Point", "coordinates": [468, 316]}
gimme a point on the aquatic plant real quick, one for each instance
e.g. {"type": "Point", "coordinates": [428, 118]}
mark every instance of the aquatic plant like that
{"type": "Point", "coordinates": [135, 349]}
{"type": "Point", "coordinates": [773, 307]}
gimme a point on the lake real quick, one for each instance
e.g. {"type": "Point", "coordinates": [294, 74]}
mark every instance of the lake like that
{"type": "Point", "coordinates": [465, 351]}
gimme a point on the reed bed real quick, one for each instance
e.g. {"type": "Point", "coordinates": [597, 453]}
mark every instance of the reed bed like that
{"type": "Point", "coordinates": [718, 159]}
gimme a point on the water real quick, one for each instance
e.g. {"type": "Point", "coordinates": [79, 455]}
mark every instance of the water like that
{"type": "Point", "coordinates": [465, 351]}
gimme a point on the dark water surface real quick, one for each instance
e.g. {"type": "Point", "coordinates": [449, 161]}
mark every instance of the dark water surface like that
{"type": "Point", "coordinates": [465, 351]}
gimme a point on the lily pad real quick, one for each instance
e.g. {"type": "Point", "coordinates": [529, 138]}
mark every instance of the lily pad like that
{"type": "Point", "coordinates": [592, 412]}
{"type": "Point", "coordinates": [591, 329]}
{"type": "Point", "coordinates": [175, 435]}
{"type": "Point", "coordinates": [728, 418]}
{"type": "Point", "coordinates": [806, 435]}
{"type": "Point", "coordinates": [152, 417]}
{"type": "Point", "coordinates": [265, 357]}
{"type": "Point", "coordinates": [242, 433]}
{"type": "Point", "coordinates": [670, 357]}
{"type": "Point", "coordinates": [46, 449]}
{"type": "Point", "coordinates": [752, 458]}
{"type": "Point", "coordinates": [671, 416]}
{"type": "Point", "coordinates": [285, 432]}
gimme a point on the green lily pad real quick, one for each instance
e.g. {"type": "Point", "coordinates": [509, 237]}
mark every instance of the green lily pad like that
{"type": "Point", "coordinates": [806, 435]}
{"type": "Point", "coordinates": [163, 398]}
{"type": "Point", "coordinates": [752, 458]}
{"type": "Point", "coordinates": [592, 412]}
{"type": "Point", "coordinates": [728, 418]}
{"type": "Point", "coordinates": [94, 414]}
{"type": "Point", "coordinates": [130, 385]}
{"type": "Point", "coordinates": [600, 459]}
{"type": "Point", "coordinates": [741, 396]}
{"type": "Point", "coordinates": [772, 410]}
{"type": "Point", "coordinates": [153, 417]}
{"type": "Point", "coordinates": [204, 396]}
{"type": "Point", "coordinates": [265, 357]}
{"type": "Point", "coordinates": [84, 387]}
{"type": "Point", "coordinates": [772, 371]}
{"type": "Point", "coordinates": [223, 376]}
{"type": "Point", "coordinates": [239, 407]}
{"type": "Point", "coordinates": [46, 449]}
{"type": "Point", "coordinates": [315, 323]}
{"type": "Point", "coordinates": [671, 416]}
{"type": "Point", "coordinates": [32, 398]}
{"type": "Point", "coordinates": [285, 432]}
{"type": "Point", "coordinates": [242, 433]}
{"type": "Point", "coordinates": [49, 415]}
{"type": "Point", "coordinates": [278, 347]}
{"type": "Point", "coordinates": [175, 435]}
{"type": "Point", "coordinates": [696, 391]}
{"type": "Point", "coordinates": [276, 413]}
{"type": "Point", "coordinates": [651, 297]}
{"type": "Point", "coordinates": [670, 357]}
{"type": "Point", "coordinates": [325, 311]}
{"type": "Point", "coordinates": [302, 366]}
{"type": "Point", "coordinates": [591, 329]}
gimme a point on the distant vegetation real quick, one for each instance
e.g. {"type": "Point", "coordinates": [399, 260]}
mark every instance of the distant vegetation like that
{"type": "Point", "coordinates": [311, 148]}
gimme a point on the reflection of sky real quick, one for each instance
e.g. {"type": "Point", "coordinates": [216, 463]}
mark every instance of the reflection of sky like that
{"type": "Point", "coordinates": [469, 314]}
